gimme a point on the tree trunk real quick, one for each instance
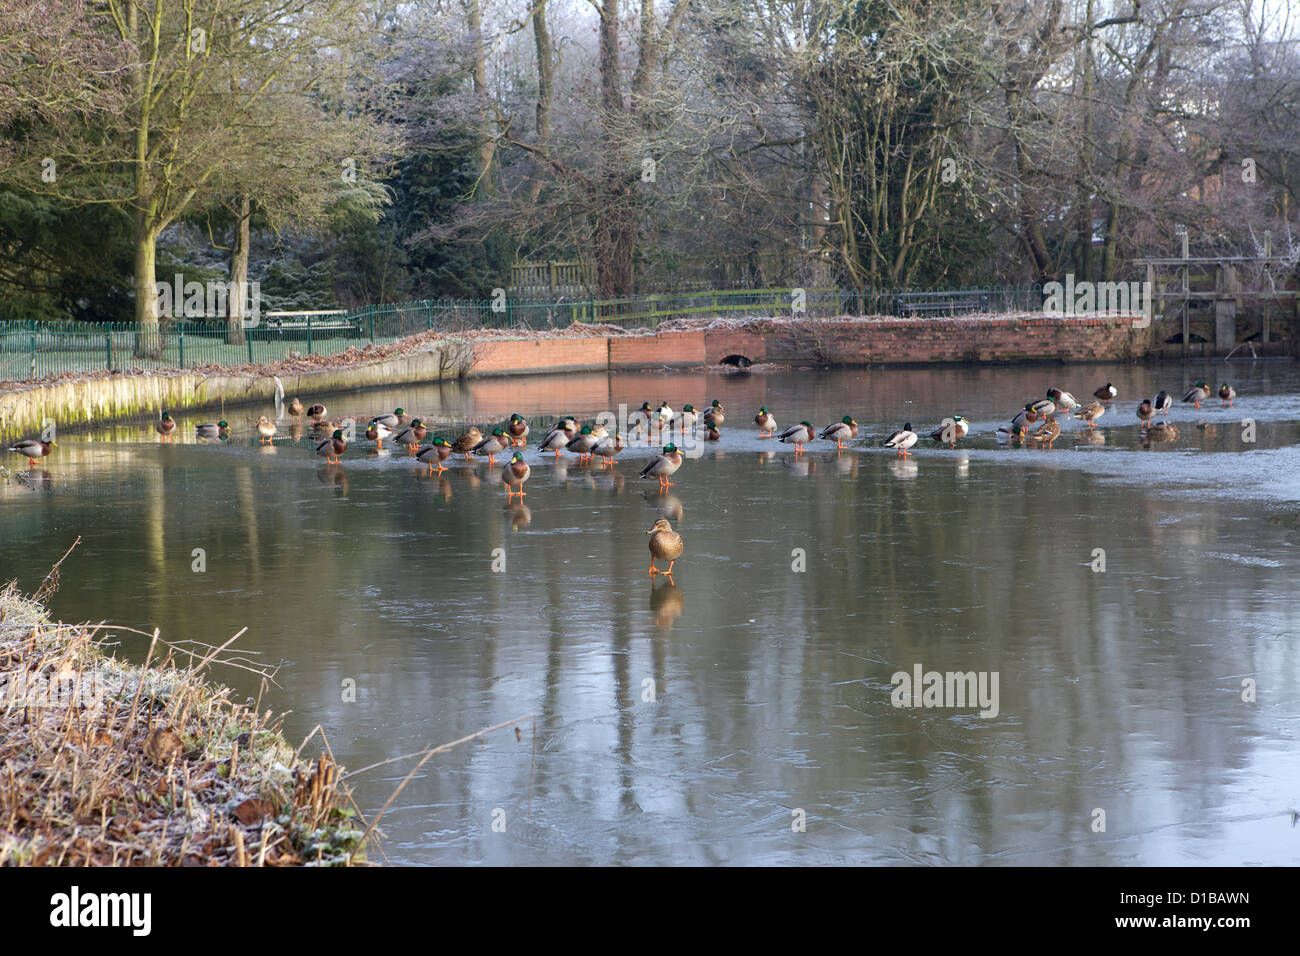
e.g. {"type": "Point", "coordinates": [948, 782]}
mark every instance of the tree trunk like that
{"type": "Point", "coordinates": [148, 342]}
{"type": "Point", "coordinates": [238, 286]}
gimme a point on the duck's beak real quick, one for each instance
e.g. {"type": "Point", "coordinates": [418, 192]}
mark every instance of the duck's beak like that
{"type": "Point", "coordinates": [651, 531]}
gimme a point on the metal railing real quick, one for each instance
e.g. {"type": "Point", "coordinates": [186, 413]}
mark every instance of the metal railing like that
{"type": "Point", "coordinates": [36, 350]}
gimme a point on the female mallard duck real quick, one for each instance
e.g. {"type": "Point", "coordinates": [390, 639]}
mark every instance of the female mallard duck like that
{"type": "Point", "coordinates": [493, 445]}
{"type": "Point", "coordinates": [317, 412]}
{"type": "Point", "coordinates": [1197, 394]}
{"type": "Point", "coordinates": [1162, 431]}
{"type": "Point", "coordinates": [165, 427]}
{"type": "Point", "coordinates": [665, 545]}
{"type": "Point", "coordinates": [464, 445]}
{"type": "Point", "coordinates": [664, 465]}
{"type": "Point", "coordinates": [296, 409]}
{"type": "Point", "coordinates": [332, 448]}
{"type": "Point", "coordinates": [514, 474]}
{"type": "Point", "coordinates": [33, 448]}
{"type": "Point", "coordinates": [265, 430]}
{"type": "Point", "coordinates": [685, 419]}
{"type": "Point", "coordinates": [392, 420]}
{"type": "Point", "coordinates": [436, 454]}
{"type": "Point", "coordinates": [1091, 412]}
{"type": "Point", "coordinates": [411, 435]}
{"type": "Point", "coordinates": [1047, 432]}
{"type": "Point", "coordinates": [841, 431]}
{"type": "Point", "coordinates": [711, 432]}
{"type": "Point", "coordinates": [1164, 402]}
{"type": "Point", "coordinates": [798, 435]}
{"type": "Point", "coordinates": [1106, 393]}
{"type": "Point", "coordinates": [377, 432]}
{"type": "Point", "coordinates": [713, 415]}
{"type": "Point", "coordinates": [1144, 411]}
{"type": "Point", "coordinates": [903, 439]}
{"type": "Point", "coordinates": [219, 430]}
{"type": "Point", "coordinates": [517, 429]}
{"type": "Point", "coordinates": [951, 431]}
{"type": "Point", "coordinates": [1227, 394]}
{"type": "Point", "coordinates": [1063, 401]}
{"type": "Point", "coordinates": [607, 448]}
{"type": "Point", "coordinates": [583, 442]}
{"type": "Point", "coordinates": [558, 438]}
{"type": "Point", "coordinates": [766, 422]}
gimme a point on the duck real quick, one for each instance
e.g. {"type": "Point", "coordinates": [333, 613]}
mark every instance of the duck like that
{"type": "Point", "coordinates": [295, 408]}
{"type": "Point", "coordinates": [1047, 432]}
{"type": "Point", "coordinates": [1091, 412]}
{"type": "Point", "coordinates": [377, 432]}
{"type": "Point", "coordinates": [711, 432]}
{"type": "Point", "coordinates": [766, 422]}
{"type": "Point", "coordinates": [714, 414]}
{"type": "Point", "coordinates": [1025, 417]}
{"type": "Point", "coordinates": [841, 431]}
{"type": "Point", "coordinates": [411, 435]}
{"type": "Point", "coordinates": [557, 439]}
{"type": "Point", "coordinates": [583, 442]}
{"type": "Point", "coordinates": [1106, 393]}
{"type": "Point", "coordinates": [1162, 431]}
{"type": "Point", "coordinates": [641, 418]}
{"type": "Point", "coordinates": [317, 412]}
{"type": "Point", "coordinates": [903, 439]}
{"type": "Point", "coordinates": [664, 414]}
{"type": "Point", "coordinates": [1063, 401]}
{"type": "Point", "coordinates": [665, 545]}
{"type": "Point", "coordinates": [1013, 433]}
{"type": "Point", "coordinates": [517, 429]}
{"type": "Point", "coordinates": [514, 474]}
{"type": "Point", "coordinates": [798, 435]}
{"type": "Point", "coordinates": [34, 448]}
{"type": "Point", "coordinates": [436, 454]}
{"type": "Point", "coordinates": [685, 419]}
{"type": "Point", "coordinates": [1144, 411]}
{"type": "Point", "coordinates": [165, 427]}
{"type": "Point", "coordinates": [219, 430]}
{"type": "Point", "coordinates": [1227, 394]}
{"type": "Point", "coordinates": [951, 431]}
{"type": "Point", "coordinates": [332, 448]}
{"type": "Point", "coordinates": [607, 448]}
{"type": "Point", "coordinates": [663, 465]}
{"type": "Point", "coordinates": [1042, 408]}
{"type": "Point", "coordinates": [465, 444]}
{"type": "Point", "coordinates": [266, 430]}
{"type": "Point", "coordinates": [1164, 402]}
{"type": "Point", "coordinates": [493, 445]}
{"type": "Point", "coordinates": [1197, 394]}
{"type": "Point", "coordinates": [392, 419]}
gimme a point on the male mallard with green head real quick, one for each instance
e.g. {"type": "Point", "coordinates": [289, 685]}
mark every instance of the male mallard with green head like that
{"type": "Point", "coordinates": [951, 431]}
{"type": "Point", "coordinates": [165, 427]}
{"type": "Point", "coordinates": [558, 438]}
{"type": "Point", "coordinates": [492, 446]}
{"type": "Point", "coordinates": [514, 474]}
{"type": "Point", "coordinates": [1197, 394]}
{"type": "Point", "coordinates": [1062, 401]}
{"type": "Point", "coordinates": [583, 442]}
{"type": "Point", "coordinates": [711, 432]}
{"type": "Point", "coordinates": [766, 423]}
{"type": "Point", "coordinates": [903, 439]}
{"type": "Point", "coordinates": [841, 431]}
{"type": "Point", "coordinates": [213, 430]}
{"type": "Point", "coordinates": [607, 448]}
{"type": "Point", "coordinates": [714, 415]}
{"type": "Point", "coordinates": [411, 435]}
{"type": "Point", "coordinates": [332, 448]}
{"type": "Point", "coordinates": [377, 432]}
{"type": "Point", "coordinates": [685, 419]}
{"type": "Point", "coordinates": [1227, 394]}
{"type": "Point", "coordinates": [392, 420]}
{"type": "Point", "coordinates": [798, 435]}
{"type": "Point", "coordinates": [664, 465]}
{"type": "Point", "coordinates": [33, 448]}
{"type": "Point", "coordinates": [665, 545]}
{"type": "Point", "coordinates": [517, 429]}
{"type": "Point", "coordinates": [436, 454]}
{"type": "Point", "coordinates": [1144, 411]}
{"type": "Point", "coordinates": [640, 419]}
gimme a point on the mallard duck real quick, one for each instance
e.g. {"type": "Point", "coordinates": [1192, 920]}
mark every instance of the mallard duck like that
{"type": "Point", "coordinates": [1025, 417]}
{"type": "Point", "coordinates": [1145, 410]}
{"type": "Point", "coordinates": [951, 432]}
{"type": "Point", "coordinates": [377, 432]}
{"type": "Point", "coordinates": [265, 430]}
{"type": "Point", "coordinates": [798, 435]}
{"type": "Point", "coordinates": [317, 412]}
{"type": "Point", "coordinates": [711, 432]}
{"type": "Point", "coordinates": [1013, 433]}
{"type": "Point", "coordinates": [1164, 402]}
{"type": "Point", "coordinates": [664, 465]}
{"type": "Point", "coordinates": [641, 418]}
{"type": "Point", "coordinates": [392, 420]}
{"type": "Point", "coordinates": [1162, 431]}
{"type": "Point", "coordinates": [33, 448]}
{"type": "Point", "coordinates": [1197, 394]}
{"type": "Point", "coordinates": [607, 448]}
{"type": "Point", "coordinates": [685, 419]}
{"type": "Point", "coordinates": [713, 415]}
{"type": "Point", "coordinates": [296, 409]}
{"type": "Point", "coordinates": [766, 422]}
{"type": "Point", "coordinates": [517, 429]}
{"type": "Point", "coordinates": [165, 427]}
{"type": "Point", "coordinates": [514, 474]}
{"type": "Point", "coordinates": [1042, 408]}
{"type": "Point", "coordinates": [841, 431]}
{"type": "Point", "coordinates": [1106, 393]}
{"type": "Point", "coordinates": [464, 445]}
{"type": "Point", "coordinates": [557, 439]}
{"type": "Point", "coordinates": [583, 442]}
{"type": "Point", "coordinates": [1091, 412]}
{"type": "Point", "coordinates": [903, 439]}
{"type": "Point", "coordinates": [665, 545]}
{"type": "Point", "coordinates": [1227, 394]}
{"type": "Point", "coordinates": [332, 448]}
{"type": "Point", "coordinates": [219, 430]}
{"type": "Point", "coordinates": [436, 454]}
{"type": "Point", "coordinates": [493, 445]}
{"type": "Point", "coordinates": [411, 435]}
{"type": "Point", "coordinates": [1063, 401]}
{"type": "Point", "coordinates": [1047, 432]}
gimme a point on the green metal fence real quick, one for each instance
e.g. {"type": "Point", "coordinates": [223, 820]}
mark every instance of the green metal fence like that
{"type": "Point", "coordinates": [35, 350]}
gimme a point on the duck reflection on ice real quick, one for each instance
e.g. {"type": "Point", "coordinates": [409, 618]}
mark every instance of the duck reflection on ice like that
{"type": "Point", "coordinates": [666, 602]}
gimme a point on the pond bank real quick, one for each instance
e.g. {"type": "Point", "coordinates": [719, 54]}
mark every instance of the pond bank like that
{"type": "Point", "coordinates": [117, 764]}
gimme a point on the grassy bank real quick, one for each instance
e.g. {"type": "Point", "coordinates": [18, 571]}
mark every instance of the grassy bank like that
{"type": "Point", "coordinates": [108, 763]}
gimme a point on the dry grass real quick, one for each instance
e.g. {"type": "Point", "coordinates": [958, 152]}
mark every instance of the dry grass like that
{"type": "Point", "coordinates": [149, 765]}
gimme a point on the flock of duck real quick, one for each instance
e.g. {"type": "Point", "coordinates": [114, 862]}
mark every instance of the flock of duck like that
{"type": "Point", "coordinates": [591, 442]}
